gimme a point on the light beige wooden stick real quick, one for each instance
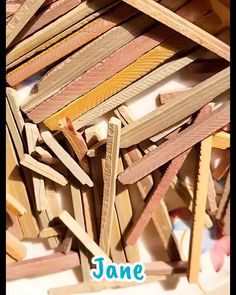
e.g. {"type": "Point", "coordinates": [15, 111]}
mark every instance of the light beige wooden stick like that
{"type": "Point", "coordinates": [15, 186]}
{"type": "Point", "coordinates": [181, 25]}
{"type": "Point", "coordinates": [110, 174]}
{"type": "Point", "coordinates": [43, 169]}
{"type": "Point", "coordinates": [32, 135]}
{"type": "Point", "coordinates": [88, 287]}
{"type": "Point", "coordinates": [13, 99]}
{"type": "Point", "coordinates": [14, 247]}
{"type": "Point", "coordinates": [79, 217]}
{"type": "Point", "coordinates": [116, 245]}
{"type": "Point", "coordinates": [14, 206]}
{"type": "Point", "coordinates": [16, 138]}
{"type": "Point", "coordinates": [21, 18]}
{"type": "Point", "coordinates": [224, 198]}
{"type": "Point", "coordinates": [52, 231]}
{"type": "Point", "coordinates": [66, 159]}
{"type": "Point", "coordinates": [67, 242]}
{"type": "Point", "coordinates": [42, 266]}
{"type": "Point", "coordinates": [124, 214]}
{"type": "Point", "coordinates": [211, 195]}
{"type": "Point", "coordinates": [199, 208]}
{"type": "Point", "coordinates": [79, 232]}
{"type": "Point", "coordinates": [13, 225]}
{"type": "Point", "coordinates": [167, 114]}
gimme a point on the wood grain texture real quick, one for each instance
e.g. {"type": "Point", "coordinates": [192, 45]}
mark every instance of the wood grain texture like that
{"type": "Point", "coordinates": [20, 19]}
{"type": "Point", "coordinates": [182, 26]}
{"type": "Point", "coordinates": [42, 266]}
{"type": "Point", "coordinates": [79, 232]}
{"type": "Point", "coordinates": [199, 208]}
{"type": "Point", "coordinates": [97, 50]}
{"type": "Point", "coordinates": [86, 34]}
{"type": "Point", "coordinates": [109, 66]}
{"type": "Point", "coordinates": [224, 198]}
{"type": "Point", "coordinates": [175, 110]}
{"type": "Point", "coordinates": [56, 27]}
{"type": "Point", "coordinates": [43, 169]}
{"type": "Point", "coordinates": [66, 159]}
{"type": "Point", "coordinates": [79, 217]}
{"type": "Point", "coordinates": [160, 218]}
{"type": "Point", "coordinates": [46, 16]}
{"type": "Point", "coordinates": [173, 147]}
{"type": "Point", "coordinates": [130, 74]}
{"type": "Point", "coordinates": [71, 29]}
{"type": "Point", "coordinates": [16, 187]}
{"type": "Point", "coordinates": [109, 190]}
{"type": "Point", "coordinates": [32, 135]}
{"type": "Point", "coordinates": [136, 88]}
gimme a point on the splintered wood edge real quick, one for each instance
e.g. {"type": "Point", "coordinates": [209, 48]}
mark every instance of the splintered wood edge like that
{"type": "Point", "coordinates": [181, 25]}
{"type": "Point", "coordinates": [110, 175]}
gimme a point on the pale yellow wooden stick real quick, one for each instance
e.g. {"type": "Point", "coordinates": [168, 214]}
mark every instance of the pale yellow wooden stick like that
{"type": "Point", "coordinates": [14, 247]}
{"type": "Point", "coordinates": [14, 206]}
{"type": "Point", "coordinates": [110, 174]}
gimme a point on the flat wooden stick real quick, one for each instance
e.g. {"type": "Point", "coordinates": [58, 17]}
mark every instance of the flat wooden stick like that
{"type": "Point", "coordinates": [14, 206]}
{"type": "Point", "coordinates": [13, 225]}
{"type": "Point", "coordinates": [74, 41]}
{"type": "Point", "coordinates": [43, 169]}
{"type": "Point", "coordinates": [224, 198]}
{"type": "Point", "coordinates": [66, 159]}
{"type": "Point", "coordinates": [199, 208]}
{"type": "Point", "coordinates": [160, 217]}
{"type": "Point", "coordinates": [114, 63]}
{"type": "Point", "coordinates": [110, 174]}
{"type": "Point", "coordinates": [211, 195]}
{"type": "Point", "coordinates": [88, 287]}
{"type": "Point", "coordinates": [124, 78]}
{"type": "Point", "coordinates": [67, 242]}
{"type": "Point", "coordinates": [79, 217]}
{"type": "Point", "coordinates": [15, 186]}
{"type": "Point", "coordinates": [20, 19]}
{"type": "Point", "coordinates": [42, 266]}
{"type": "Point", "coordinates": [226, 220]}
{"type": "Point", "coordinates": [124, 214]}
{"type": "Point", "coordinates": [14, 247]}
{"type": "Point", "coordinates": [56, 27]}
{"type": "Point", "coordinates": [173, 147]}
{"type": "Point", "coordinates": [165, 268]}
{"type": "Point", "coordinates": [48, 15]}
{"type": "Point", "coordinates": [223, 167]}
{"type": "Point", "coordinates": [9, 259]}
{"type": "Point", "coordinates": [79, 232]}
{"type": "Point", "coordinates": [32, 135]}
{"type": "Point", "coordinates": [136, 88]}
{"type": "Point", "coordinates": [13, 59]}
{"type": "Point", "coordinates": [166, 115]}
{"type": "Point", "coordinates": [182, 26]}
{"type": "Point", "coordinates": [42, 155]}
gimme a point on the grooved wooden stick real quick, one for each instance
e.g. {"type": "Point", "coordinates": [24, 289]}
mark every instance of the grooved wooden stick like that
{"type": "Point", "coordinates": [105, 22]}
{"type": "Point", "coordinates": [136, 70]}
{"type": "Point", "coordinates": [182, 26]}
{"type": "Point", "coordinates": [175, 110]}
{"type": "Point", "coordinates": [20, 18]}
{"type": "Point", "coordinates": [199, 208]}
{"type": "Point", "coordinates": [109, 191]}
{"type": "Point", "coordinates": [173, 147]}
{"type": "Point", "coordinates": [59, 25]}
{"type": "Point", "coordinates": [108, 67]}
